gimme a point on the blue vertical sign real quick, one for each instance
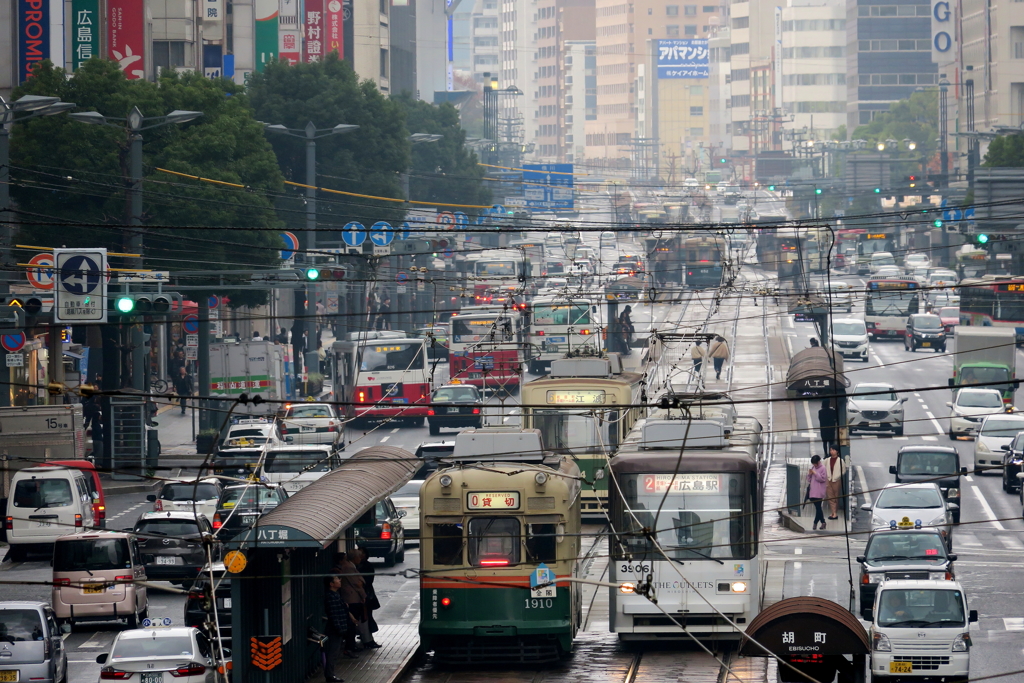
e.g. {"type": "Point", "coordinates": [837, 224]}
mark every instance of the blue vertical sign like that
{"type": "Point", "coordinates": [548, 186]}
{"type": "Point", "coordinates": [33, 35]}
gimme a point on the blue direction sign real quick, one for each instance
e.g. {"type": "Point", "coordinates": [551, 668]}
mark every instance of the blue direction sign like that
{"type": "Point", "coordinates": [381, 234]}
{"type": "Point", "coordinates": [291, 243]}
{"type": "Point", "coordinates": [354, 234]}
{"type": "Point", "coordinates": [80, 292]}
{"type": "Point", "coordinates": [461, 218]}
{"type": "Point", "coordinates": [403, 231]}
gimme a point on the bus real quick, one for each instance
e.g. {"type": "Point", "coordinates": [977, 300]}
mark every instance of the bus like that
{"type": "Point", "coordinates": [686, 500]}
{"type": "Point", "coordinates": [993, 301]}
{"type": "Point", "coordinates": [887, 305]}
{"type": "Point", "coordinates": [382, 378]}
{"type": "Point", "coordinates": [534, 250]}
{"type": "Point", "coordinates": [585, 408]}
{"type": "Point", "coordinates": [486, 349]}
{"type": "Point", "coordinates": [875, 239]}
{"type": "Point", "coordinates": [560, 325]}
{"type": "Point", "coordinates": [665, 258]}
{"type": "Point", "coordinates": [497, 270]}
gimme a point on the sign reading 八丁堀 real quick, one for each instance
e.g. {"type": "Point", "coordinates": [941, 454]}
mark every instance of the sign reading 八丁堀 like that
{"type": "Point", "coordinates": [80, 285]}
{"type": "Point", "coordinates": [683, 58]}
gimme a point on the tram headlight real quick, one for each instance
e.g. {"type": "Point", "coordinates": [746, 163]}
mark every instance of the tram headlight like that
{"type": "Point", "coordinates": [738, 587]}
{"type": "Point", "coordinates": [541, 478]}
{"type": "Point", "coordinates": [627, 588]}
{"type": "Point", "coordinates": [446, 480]}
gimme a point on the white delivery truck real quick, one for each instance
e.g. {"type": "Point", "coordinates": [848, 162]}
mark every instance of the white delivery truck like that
{"type": "Point", "coordinates": [32, 435]}
{"type": "Point", "coordinates": [251, 367]}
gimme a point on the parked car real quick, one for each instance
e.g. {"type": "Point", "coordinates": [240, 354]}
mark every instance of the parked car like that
{"type": "Point", "coordinates": [969, 407]}
{"type": "Point", "coordinates": [33, 643]}
{"type": "Point", "coordinates": [407, 500]}
{"type": "Point", "coordinates": [937, 464]}
{"type": "Point", "coordinates": [178, 654]}
{"type": "Point", "coordinates": [188, 495]}
{"type": "Point", "coordinates": [925, 331]}
{"type": "Point", "coordinates": [902, 554]}
{"type": "Point", "coordinates": [994, 432]}
{"type": "Point", "coordinates": [305, 423]}
{"type": "Point", "coordinates": [454, 406]}
{"type": "Point", "coordinates": [46, 503]}
{"type": "Point", "coordinates": [850, 337]}
{"type": "Point", "coordinates": [381, 533]}
{"type": "Point", "coordinates": [172, 545]}
{"type": "Point", "coordinates": [909, 506]}
{"type": "Point", "coordinates": [94, 579]}
{"type": "Point", "coordinates": [875, 406]}
{"type": "Point", "coordinates": [240, 506]}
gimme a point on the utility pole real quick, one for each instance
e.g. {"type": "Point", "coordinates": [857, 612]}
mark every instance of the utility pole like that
{"type": "Point", "coordinates": [203, 361]}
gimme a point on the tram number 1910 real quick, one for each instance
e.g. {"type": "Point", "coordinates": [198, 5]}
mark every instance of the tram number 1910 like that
{"type": "Point", "coordinates": [635, 568]}
{"type": "Point", "coordinates": [539, 603]}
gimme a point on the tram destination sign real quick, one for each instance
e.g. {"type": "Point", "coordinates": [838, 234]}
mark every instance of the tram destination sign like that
{"type": "Point", "coordinates": [576, 397]}
{"type": "Point", "coordinates": [492, 500]}
{"type": "Point", "coordinates": [682, 483]}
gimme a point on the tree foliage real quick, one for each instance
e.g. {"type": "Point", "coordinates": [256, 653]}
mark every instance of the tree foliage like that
{"type": "Point", "coordinates": [1006, 150]}
{"type": "Point", "coordinates": [445, 171]}
{"type": "Point", "coordinates": [368, 161]}
{"type": "Point", "coordinates": [915, 118]}
{"type": "Point", "coordinates": [69, 171]}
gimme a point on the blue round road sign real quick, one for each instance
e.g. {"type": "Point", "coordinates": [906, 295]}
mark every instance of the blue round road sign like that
{"type": "Point", "coordinates": [381, 234]}
{"type": "Point", "coordinates": [13, 342]}
{"type": "Point", "coordinates": [291, 243]}
{"type": "Point", "coordinates": [354, 234]}
{"type": "Point", "coordinates": [401, 277]}
{"type": "Point", "coordinates": [80, 275]}
{"type": "Point", "coordinates": [190, 324]}
{"type": "Point", "coordinates": [448, 253]}
{"type": "Point", "coordinates": [461, 218]}
{"type": "Point", "coordinates": [403, 231]}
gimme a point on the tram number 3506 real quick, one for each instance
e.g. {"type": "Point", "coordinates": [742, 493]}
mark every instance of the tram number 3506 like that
{"type": "Point", "coordinates": [635, 568]}
{"type": "Point", "coordinates": [539, 603]}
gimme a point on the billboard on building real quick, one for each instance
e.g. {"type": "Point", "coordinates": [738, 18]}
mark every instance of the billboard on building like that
{"type": "Point", "coordinates": [943, 32]}
{"type": "Point", "coordinates": [40, 34]}
{"type": "Point", "coordinates": [314, 28]}
{"type": "Point", "coordinates": [85, 26]}
{"type": "Point", "coordinates": [126, 36]}
{"type": "Point", "coordinates": [335, 29]}
{"type": "Point", "coordinates": [266, 32]}
{"type": "Point", "coordinates": [548, 186]}
{"type": "Point", "coordinates": [683, 58]}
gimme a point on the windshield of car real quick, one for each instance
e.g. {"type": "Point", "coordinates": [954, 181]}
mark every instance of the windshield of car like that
{"type": "Point", "coordinates": [979, 399]}
{"type": "Point", "coordinates": [254, 496]}
{"type": "Point", "coordinates": [147, 648]}
{"type": "Point", "coordinates": [297, 461]}
{"type": "Point", "coordinates": [920, 462]}
{"type": "Point", "coordinates": [392, 356]}
{"type": "Point", "coordinates": [1006, 428]}
{"type": "Point", "coordinates": [916, 258]}
{"type": "Point", "coordinates": [883, 260]}
{"type": "Point", "coordinates": [455, 394]}
{"type": "Point", "coordinates": [878, 392]}
{"type": "Point", "coordinates": [186, 491]}
{"type": "Point", "coordinates": [906, 547]}
{"type": "Point", "coordinates": [1000, 377]}
{"type": "Point", "coordinates": [929, 608]}
{"type": "Point", "coordinates": [163, 526]}
{"type": "Point", "coordinates": [19, 625]}
{"type": "Point", "coordinates": [42, 493]}
{"type": "Point", "coordinates": [410, 490]}
{"type": "Point", "coordinates": [891, 303]}
{"type": "Point", "coordinates": [949, 312]}
{"type": "Point", "coordinates": [92, 554]}
{"type": "Point", "coordinates": [312, 410]}
{"type": "Point", "coordinates": [903, 498]}
{"type": "Point", "coordinates": [927, 322]}
{"type": "Point", "coordinates": [238, 433]}
{"type": "Point", "coordinates": [852, 329]}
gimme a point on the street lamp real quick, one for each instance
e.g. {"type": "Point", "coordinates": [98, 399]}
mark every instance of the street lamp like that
{"type": "Point", "coordinates": [310, 133]}
{"type": "Point", "coordinates": [134, 124]}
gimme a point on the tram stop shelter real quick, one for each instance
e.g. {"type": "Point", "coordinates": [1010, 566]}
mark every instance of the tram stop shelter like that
{"type": "Point", "coordinates": [277, 618]}
{"type": "Point", "coordinates": [814, 636]}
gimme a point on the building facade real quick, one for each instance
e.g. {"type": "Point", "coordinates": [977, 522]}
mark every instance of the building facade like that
{"type": "Point", "coordinates": [579, 104]}
{"type": "Point", "coordinates": [813, 66]}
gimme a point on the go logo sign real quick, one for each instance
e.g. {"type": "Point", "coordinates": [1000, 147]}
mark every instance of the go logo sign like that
{"type": "Point", "coordinates": [942, 28]}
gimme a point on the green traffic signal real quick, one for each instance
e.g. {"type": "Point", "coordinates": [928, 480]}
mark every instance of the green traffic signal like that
{"type": "Point", "coordinates": [722, 160]}
{"type": "Point", "coordinates": [982, 238]}
{"type": "Point", "coordinates": [125, 304]}
{"type": "Point", "coordinates": [937, 222]}
{"type": "Point", "coordinates": [772, 188]}
{"type": "Point", "coordinates": [817, 190]}
{"type": "Point", "coordinates": [312, 274]}
{"type": "Point", "coordinates": [878, 190]}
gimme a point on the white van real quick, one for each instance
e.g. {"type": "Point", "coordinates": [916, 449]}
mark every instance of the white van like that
{"type": "Point", "coordinates": [295, 467]}
{"type": "Point", "coordinates": [45, 504]}
{"type": "Point", "coordinates": [880, 259]}
{"type": "Point", "coordinates": [850, 338]}
{"type": "Point", "coordinates": [920, 628]}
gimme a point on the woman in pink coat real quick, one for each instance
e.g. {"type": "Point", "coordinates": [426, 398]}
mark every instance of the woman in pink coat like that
{"type": "Point", "coordinates": [817, 477]}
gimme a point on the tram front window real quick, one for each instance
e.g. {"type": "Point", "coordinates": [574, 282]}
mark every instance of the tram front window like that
{"type": "Point", "coordinates": [447, 544]}
{"type": "Point", "coordinates": [703, 515]}
{"type": "Point", "coordinates": [568, 432]}
{"type": "Point", "coordinates": [493, 541]}
{"type": "Point", "coordinates": [561, 314]}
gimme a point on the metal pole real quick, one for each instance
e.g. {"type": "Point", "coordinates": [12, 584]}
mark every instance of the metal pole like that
{"type": "Point", "coordinates": [972, 142]}
{"type": "Point", "coordinates": [135, 237]}
{"type": "Point", "coordinates": [203, 360]}
{"type": "Point", "coordinates": [6, 232]}
{"type": "Point", "coordinates": [312, 360]}
{"type": "Point", "coordinates": [943, 136]}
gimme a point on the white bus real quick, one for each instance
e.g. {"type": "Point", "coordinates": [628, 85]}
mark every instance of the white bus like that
{"type": "Point", "coordinates": [380, 378]}
{"type": "Point", "coordinates": [888, 304]}
{"type": "Point", "coordinates": [559, 325]}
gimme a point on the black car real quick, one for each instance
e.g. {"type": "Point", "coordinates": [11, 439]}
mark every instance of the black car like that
{"type": "Point", "coordinates": [938, 464]}
{"type": "Point", "coordinates": [240, 506]}
{"type": "Point", "coordinates": [905, 554]}
{"type": "Point", "coordinates": [199, 606]}
{"type": "Point", "coordinates": [1013, 463]}
{"type": "Point", "coordinates": [171, 544]}
{"type": "Point", "coordinates": [925, 331]}
{"type": "Point", "coordinates": [380, 532]}
{"type": "Point", "coordinates": [454, 406]}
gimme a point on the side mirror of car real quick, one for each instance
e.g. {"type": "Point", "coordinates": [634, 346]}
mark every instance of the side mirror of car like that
{"type": "Point", "coordinates": [952, 506]}
{"type": "Point", "coordinates": [948, 404]}
{"type": "Point", "coordinates": [151, 498]}
{"type": "Point", "coordinates": [861, 559]}
{"type": "Point", "coordinates": [868, 613]}
{"type": "Point", "coordinates": [952, 558]}
{"type": "Point", "coordinates": [403, 513]}
{"type": "Point", "coordinates": [866, 507]}
{"type": "Point", "coordinates": [973, 616]}
{"type": "Point", "coordinates": [1020, 475]}
{"type": "Point", "coordinates": [949, 381]}
{"type": "Point", "coordinates": [963, 470]}
{"type": "Point", "coordinates": [1005, 447]}
{"type": "Point", "coordinates": [903, 400]}
{"type": "Point", "coordinates": [101, 659]}
{"type": "Point", "coordinates": [227, 652]}
{"type": "Point", "coordinates": [289, 439]}
{"type": "Point", "coordinates": [892, 469]}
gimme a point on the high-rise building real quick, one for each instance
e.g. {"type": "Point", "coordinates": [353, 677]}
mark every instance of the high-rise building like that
{"type": "Point", "coordinates": [519, 35]}
{"type": "Point", "coordinates": [813, 65]}
{"type": "Point", "coordinates": [752, 48]}
{"type": "Point", "coordinates": [719, 88]}
{"type": "Point", "coordinates": [992, 40]}
{"type": "Point", "coordinates": [485, 39]}
{"type": "Point", "coordinates": [579, 103]}
{"type": "Point", "coordinates": [371, 44]}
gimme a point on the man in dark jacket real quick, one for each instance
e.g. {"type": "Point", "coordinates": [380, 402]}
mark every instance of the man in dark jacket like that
{"type": "Point", "coordinates": [828, 420]}
{"type": "Point", "coordinates": [337, 626]}
{"type": "Point", "coordinates": [183, 386]}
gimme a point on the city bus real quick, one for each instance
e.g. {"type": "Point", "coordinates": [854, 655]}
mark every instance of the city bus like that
{"type": "Point", "coordinates": [993, 301]}
{"type": "Point", "coordinates": [382, 378]}
{"type": "Point", "coordinates": [534, 250]}
{"type": "Point", "coordinates": [497, 270]}
{"type": "Point", "coordinates": [887, 304]}
{"type": "Point", "coordinates": [870, 241]}
{"type": "Point", "coordinates": [486, 349]}
{"type": "Point", "coordinates": [560, 325]}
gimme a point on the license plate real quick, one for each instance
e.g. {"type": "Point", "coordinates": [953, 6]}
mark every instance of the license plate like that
{"type": "Point", "coordinates": [92, 588]}
{"type": "Point", "coordinates": [248, 519]}
{"type": "Point", "coordinates": [891, 333]}
{"type": "Point", "coordinates": [225, 603]}
{"type": "Point", "coordinates": [874, 424]}
{"type": "Point", "coordinates": [40, 524]}
{"type": "Point", "coordinates": [160, 559]}
{"type": "Point", "coordinates": [11, 675]}
{"type": "Point", "coordinates": [453, 410]}
{"type": "Point", "coordinates": [399, 400]}
{"type": "Point", "coordinates": [152, 677]}
{"type": "Point", "coordinates": [556, 340]}
{"type": "Point", "coordinates": [926, 343]}
{"type": "Point", "coordinates": [304, 429]}
{"type": "Point", "coordinates": [901, 667]}
{"type": "Point", "coordinates": [704, 271]}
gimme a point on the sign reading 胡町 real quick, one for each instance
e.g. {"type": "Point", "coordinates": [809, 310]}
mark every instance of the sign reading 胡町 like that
{"type": "Point", "coordinates": [683, 58]}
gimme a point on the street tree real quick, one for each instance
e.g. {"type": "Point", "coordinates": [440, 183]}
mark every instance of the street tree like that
{"type": "Point", "coordinates": [1006, 150]}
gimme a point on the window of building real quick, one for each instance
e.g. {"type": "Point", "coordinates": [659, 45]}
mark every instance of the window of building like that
{"type": "Point", "coordinates": [384, 7]}
{"type": "Point", "coordinates": [622, 138]}
{"type": "Point", "coordinates": [690, 10]}
{"type": "Point", "coordinates": [169, 54]}
{"type": "Point", "coordinates": [740, 49]}
{"type": "Point", "coordinates": [709, 8]}
{"type": "Point", "coordinates": [696, 90]}
{"type": "Point", "coordinates": [690, 30]}
{"type": "Point", "coordinates": [384, 63]}
{"type": "Point", "coordinates": [740, 75]}
{"type": "Point", "coordinates": [696, 111]}
{"type": "Point", "coordinates": [741, 22]}
{"type": "Point", "coordinates": [672, 10]}
{"type": "Point", "coordinates": [672, 30]}
{"type": "Point", "coordinates": [696, 132]}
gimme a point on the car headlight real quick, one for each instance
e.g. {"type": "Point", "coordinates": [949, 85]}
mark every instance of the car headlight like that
{"type": "Point", "coordinates": [938, 521]}
{"type": "Point", "coordinates": [852, 409]}
{"type": "Point", "coordinates": [881, 642]}
{"type": "Point", "coordinates": [876, 578]}
{"type": "Point", "coordinates": [981, 447]}
{"type": "Point", "coordinates": [879, 522]}
{"type": "Point", "coordinates": [962, 643]}
{"type": "Point", "coordinates": [937, 576]}
{"type": "Point", "coordinates": [953, 493]}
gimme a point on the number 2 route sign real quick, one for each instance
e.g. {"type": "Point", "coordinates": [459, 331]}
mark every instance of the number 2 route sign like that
{"type": "Point", "coordinates": [80, 285]}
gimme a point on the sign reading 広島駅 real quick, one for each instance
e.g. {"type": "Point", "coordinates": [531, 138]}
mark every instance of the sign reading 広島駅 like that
{"type": "Point", "coordinates": [683, 58]}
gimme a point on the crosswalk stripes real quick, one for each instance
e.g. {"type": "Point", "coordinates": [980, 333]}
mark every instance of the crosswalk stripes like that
{"type": "Point", "coordinates": [1013, 623]}
{"type": "Point", "coordinates": [1010, 543]}
{"type": "Point", "coordinates": [968, 539]}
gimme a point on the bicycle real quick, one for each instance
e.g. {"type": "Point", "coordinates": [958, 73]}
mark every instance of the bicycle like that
{"type": "Point", "coordinates": [158, 385]}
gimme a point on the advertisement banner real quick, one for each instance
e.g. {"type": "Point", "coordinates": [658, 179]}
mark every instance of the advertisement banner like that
{"type": "Point", "coordinates": [314, 28]}
{"type": "Point", "coordinates": [683, 58]}
{"type": "Point", "coordinates": [126, 32]}
{"type": "Point", "coordinates": [335, 29]}
{"type": "Point", "coordinates": [288, 46]}
{"type": "Point", "coordinates": [213, 19]}
{"type": "Point", "coordinates": [33, 35]}
{"type": "Point", "coordinates": [943, 32]}
{"type": "Point", "coordinates": [85, 37]}
{"type": "Point", "coordinates": [266, 32]}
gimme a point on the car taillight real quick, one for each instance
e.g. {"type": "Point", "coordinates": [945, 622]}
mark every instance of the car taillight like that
{"type": "Point", "coordinates": [430, 411]}
{"type": "Point", "coordinates": [126, 577]}
{"type": "Point", "coordinates": [385, 532]}
{"type": "Point", "coordinates": [109, 673]}
{"type": "Point", "coordinates": [362, 396]}
{"type": "Point", "coordinates": [158, 505]}
{"type": "Point", "coordinates": [102, 509]}
{"type": "Point", "coordinates": [190, 669]}
{"type": "Point", "coordinates": [9, 523]}
{"type": "Point", "coordinates": [446, 602]}
{"type": "Point", "coordinates": [216, 521]}
{"type": "Point", "coordinates": [423, 394]}
{"type": "Point", "coordinates": [476, 411]}
{"type": "Point", "coordinates": [331, 427]}
{"type": "Point", "coordinates": [540, 333]}
{"type": "Point", "coordinates": [78, 520]}
{"type": "Point", "coordinates": [62, 582]}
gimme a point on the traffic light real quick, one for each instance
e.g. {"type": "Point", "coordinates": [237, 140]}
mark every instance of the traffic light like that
{"type": "Point", "coordinates": [722, 160]}
{"type": "Point", "coordinates": [981, 238]}
{"type": "Point", "coordinates": [143, 303]}
{"type": "Point", "coordinates": [878, 190]}
{"type": "Point", "coordinates": [937, 222]}
{"type": "Point", "coordinates": [817, 190]}
{"type": "Point", "coordinates": [912, 180]}
{"type": "Point", "coordinates": [771, 188]}
{"type": "Point", "coordinates": [324, 273]}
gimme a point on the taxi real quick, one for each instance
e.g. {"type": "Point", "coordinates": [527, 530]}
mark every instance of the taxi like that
{"type": "Point", "coordinates": [252, 432]}
{"type": "Point", "coordinates": [160, 653]}
{"type": "Point", "coordinates": [311, 423]}
{"type": "Point", "coordinates": [909, 506]}
{"type": "Point", "coordinates": [913, 553]}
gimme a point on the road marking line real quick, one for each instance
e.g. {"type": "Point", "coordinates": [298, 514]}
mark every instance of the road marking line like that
{"type": "Point", "coordinates": [968, 539]}
{"type": "Point", "coordinates": [807, 415]}
{"type": "Point", "coordinates": [938, 427]}
{"type": "Point", "coordinates": [929, 438]}
{"type": "Point", "coordinates": [384, 439]}
{"type": "Point", "coordinates": [798, 551]}
{"type": "Point", "coordinates": [1011, 543]}
{"type": "Point", "coordinates": [1013, 623]}
{"type": "Point", "coordinates": [789, 345]}
{"type": "Point", "coordinates": [917, 394]}
{"type": "Point", "coordinates": [873, 464]}
{"type": "Point", "coordinates": [89, 644]}
{"type": "Point", "coordinates": [865, 496]}
{"type": "Point", "coordinates": [988, 509]}
{"type": "Point", "coordinates": [968, 477]}
{"type": "Point", "coordinates": [395, 430]}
